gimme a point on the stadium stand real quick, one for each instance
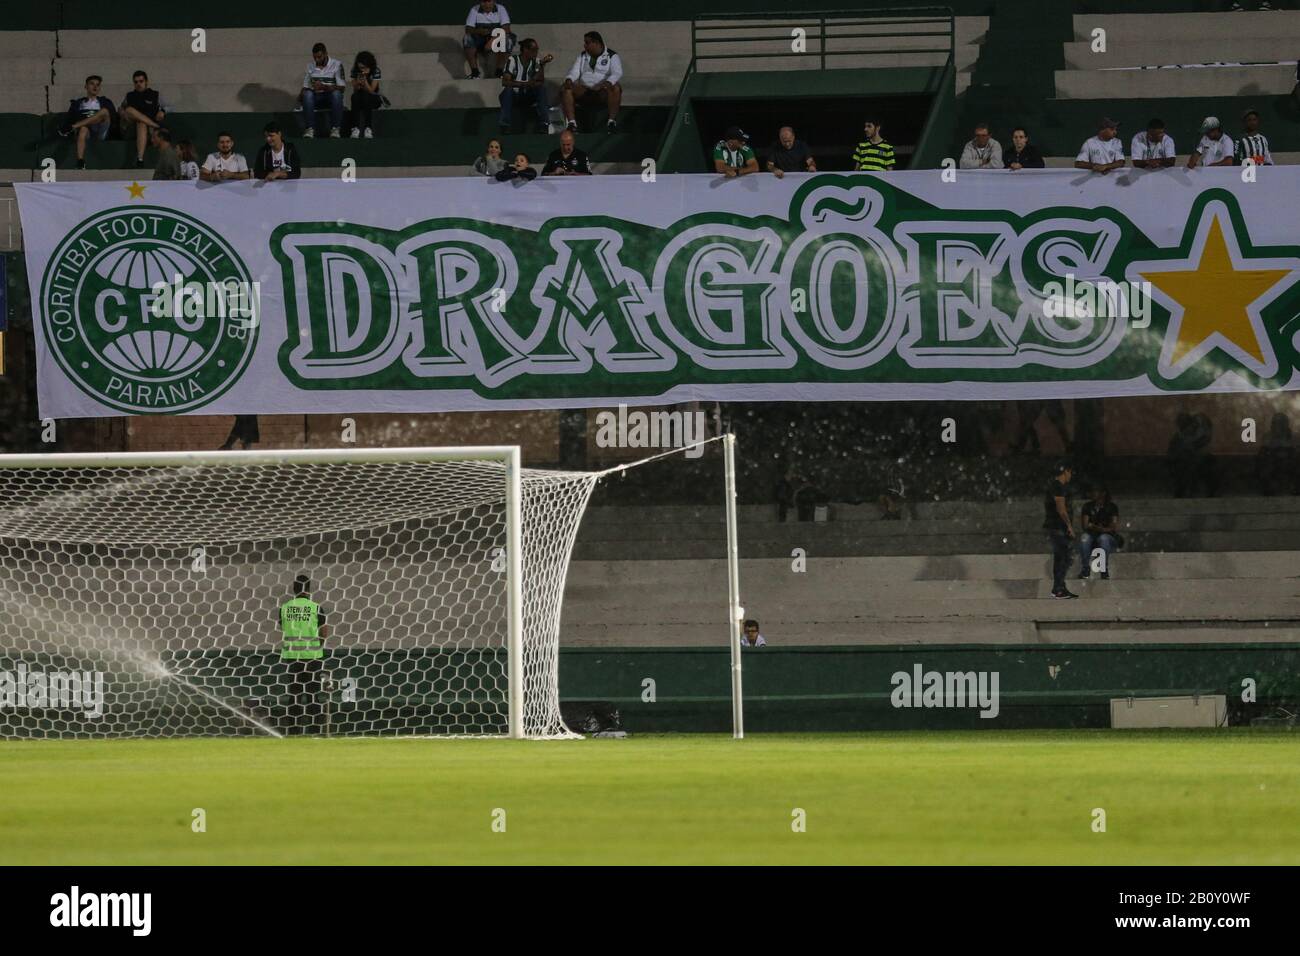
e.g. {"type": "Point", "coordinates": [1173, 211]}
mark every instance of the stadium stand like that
{"type": "Point", "coordinates": [1193, 570]}
{"type": "Point", "coordinates": [961, 569]}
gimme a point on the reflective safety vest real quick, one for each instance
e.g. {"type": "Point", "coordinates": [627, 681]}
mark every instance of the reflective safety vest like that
{"type": "Point", "coordinates": [300, 624]}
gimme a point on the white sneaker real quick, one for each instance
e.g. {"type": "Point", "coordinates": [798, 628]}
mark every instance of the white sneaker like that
{"type": "Point", "coordinates": [356, 133]}
{"type": "Point", "coordinates": [309, 133]}
{"type": "Point", "coordinates": [334, 132]}
{"type": "Point", "coordinates": [369, 133]}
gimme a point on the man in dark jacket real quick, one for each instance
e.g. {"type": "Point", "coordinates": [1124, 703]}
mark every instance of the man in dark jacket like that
{"type": "Point", "coordinates": [1022, 154]}
{"type": "Point", "coordinates": [169, 161]}
{"type": "Point", "coordinates": [277, 159]}
{"type": "Point", "coordinates": [89, 116]}
{"type": "Point", "coordinates": [568, 160]}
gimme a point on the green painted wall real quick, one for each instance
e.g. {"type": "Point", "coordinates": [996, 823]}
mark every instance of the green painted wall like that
{"type": "Point", "coordinates": [848, 688]}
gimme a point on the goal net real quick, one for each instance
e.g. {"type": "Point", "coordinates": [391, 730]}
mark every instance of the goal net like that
{"type": "Point", "coordinates": [377, 592]}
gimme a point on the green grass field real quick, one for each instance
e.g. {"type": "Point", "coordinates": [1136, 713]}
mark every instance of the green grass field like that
{"type": "Point", "coordinates": [910, 798]}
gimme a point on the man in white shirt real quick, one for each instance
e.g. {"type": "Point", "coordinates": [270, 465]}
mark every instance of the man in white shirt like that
{"type": "Point", "coordinates": [322, 86]}
{"type": "Point", "coordinates": [1103, 152]}
{"type": "Point", "coordinates": [225, 163]}
{"type": "Point", "coordinates": [1215, 147]}
{"type": "Point", "coordinates": [484, 20]}
{"type": "Point", "coordinates": [1153, 149]}
{"type": "Point", "coordinates": [750, 637]}
{"type": "Point", "coordinates": [594, 77]}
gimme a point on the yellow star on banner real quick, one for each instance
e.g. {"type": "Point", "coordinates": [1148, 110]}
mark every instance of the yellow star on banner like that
{"type": "Point", "coordinates": [1215, 295]}
{"type": "Point", "coordinates": [136, 191]}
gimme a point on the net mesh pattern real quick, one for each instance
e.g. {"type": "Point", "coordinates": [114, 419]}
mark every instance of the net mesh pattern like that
{"type": "Point", "coordinates": [144, 601]}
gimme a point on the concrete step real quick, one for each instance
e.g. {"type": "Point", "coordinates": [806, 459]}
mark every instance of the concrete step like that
{"type": "Point", "coordinates": [823, 543]}
{"type": "Point", "coordinates": [36, 44]}
{"type": "Point", "coordinates": [1156, 51]}
{"type": "Point", "coordinates": [280, 94]}
{"type": "Point", "coordinates": [1173, 29]}
{"type": "Point", "coordinates": [782, 633]}
{"type": "Point", "coordinates": [29, 97]}
{"type": "Point", "coordinates": [876, 527]}
{"type": "Point", "coordinates": [831, 573]}
{"type": "Point", "coordinates": [1270, 80]}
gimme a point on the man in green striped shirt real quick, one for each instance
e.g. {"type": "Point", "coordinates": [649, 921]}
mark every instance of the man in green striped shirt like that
{"type": "Point", "coordinates": [732, 156]}
{"type": "Point", "coordinates": [873, 154]}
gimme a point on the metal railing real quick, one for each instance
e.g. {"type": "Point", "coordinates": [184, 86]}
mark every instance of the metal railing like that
{"type": "Point", "coordinates": [10, 226]}
{"type": "Point", "coordinates": [826, 25]}
{"type": "Point", "coordinates": [820, 30]}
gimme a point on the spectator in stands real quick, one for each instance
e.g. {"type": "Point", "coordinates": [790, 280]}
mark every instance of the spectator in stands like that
{"type": "Point", "coordinates": [189, 161]}
{"type": "Point", "coordinates": [789, 155]}
{"type": "Point", "coordinates": [1103, 152]}
{"type": "Point", "coordinates": [750, 635]}
{"type": "Point", "coordinates": [524, 84]}
{"type": "Point", "coordinates": [894, 496]}
{"type": "Point", "coordinates": [1153, 148]}
{"type": "Point", "coordinates": [225, 163]}
{"type": "Point", "coordinates": [1099, 528]}
{"type": "Point", "coordinates": [873, 154]}
{"type": "Point", "coordinates": [596, 76]}
{"type": "Point", "coordinates": [1215, 147]}
{"type": "Point", "coordinates": [366, 98]}
{"type": "Point", "coordinates": [484, 19]}
{"type": "Point", "coordinates": [520, 170]}
{"type": "Point", "coordinates": [1030, 411]}
{"type": "Point", "coordinates": [1253, 144]}
{"type": "Point", "coordinates": [491, 162]}
{"type": "Point", "coordinates": [1022, 154]}
{"type": "Point", "coordinates": [169, 161]}
{"type": "Point", "coordinates": [322, 87]}
{"type": "Point", "coordinates": [1060, 531]}
{"type": "Point", "coordinates": [568, 160]}
{"type": "Point", "coordinates": [982, 151]}
{"type": "Point", "coordinates": [88, 117]}
{"type": "Point", "coordinates": [276, 159]}
{"type": "Point", "coordinates": [1188, 456]}
{"type": "Point", "coordinates": [142, 109]}
{"type": "Point", "coordinates": [245, 431]}
{"type": "Point", "coordinates": [732, 155]}
{"type": "Point", "coordinates": [1278, 467]}
{"type": "Point", "coordinates": [1236, 6]}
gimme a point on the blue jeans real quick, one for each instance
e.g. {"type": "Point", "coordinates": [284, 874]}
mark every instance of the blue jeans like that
{"type": "Point", "coordinates": [511, 97]}
{"type": "Point", "coordinates": [1061, 555]}
{"type": "Point", "coordinates": [312, 101]}
{"type": "Point", "coordinates": [1087, 542]}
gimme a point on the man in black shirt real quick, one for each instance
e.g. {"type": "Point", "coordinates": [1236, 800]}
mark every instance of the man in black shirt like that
{"type": "Point", "coordinates": [789, 155]}
{"type": "Point", "coordinates": [1100, 518]}
{"type": "Point", "coordinates": [278, 158]}
{"type": "Point", "coordinates": [143, 109]}
{"type": "Point", "coordinates": [1060, 532]}
{"type": "Point", "coordinates": [568, 160]}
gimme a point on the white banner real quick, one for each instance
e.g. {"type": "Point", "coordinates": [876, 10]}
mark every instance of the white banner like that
{"type": "Point", "coordinates": [395, 295]}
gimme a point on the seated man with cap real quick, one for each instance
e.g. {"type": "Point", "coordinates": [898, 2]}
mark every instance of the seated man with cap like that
{"type": "Point", "coordinates": [1103, 152]}
{"type": "Point", "coordinates": [733, 156]}
{"type": "Point", "coordinates": [1215, 147]}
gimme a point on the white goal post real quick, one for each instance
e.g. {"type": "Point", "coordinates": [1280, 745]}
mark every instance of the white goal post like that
{"type": "Point", "coordinates": [141, 593]}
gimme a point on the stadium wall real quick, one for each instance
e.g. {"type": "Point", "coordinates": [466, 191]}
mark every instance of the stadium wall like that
{"type": "Point", "coordinates": [820, 689]}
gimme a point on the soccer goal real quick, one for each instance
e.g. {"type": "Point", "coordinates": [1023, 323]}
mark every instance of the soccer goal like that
{"type": "Point", "coordinates": [410, 591]}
